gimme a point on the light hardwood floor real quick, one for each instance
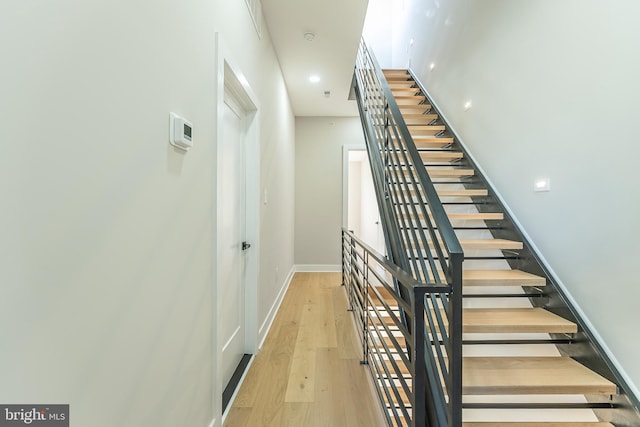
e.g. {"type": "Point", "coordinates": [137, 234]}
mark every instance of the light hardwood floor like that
{"type": "Point", "coordinates": [308, 371]}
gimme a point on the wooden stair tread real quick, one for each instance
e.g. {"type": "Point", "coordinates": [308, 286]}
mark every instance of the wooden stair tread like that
{"type": "Point", "coordinates": [441, 155]}
{"type": "Point", "coordinates": [531, 375]}
{"type": "Point", "coordinates": [439, 172]}
{"type": "Point", "coordinates": [527, 375]}
{"type": "Point", "coordinates": [488, 244]}
{"type": "Point", "coordinates": [408, 117]}
{"type": "Point", "coordinates": [396, 73]}
{"type": "Point", "coordinates": [413, 109]}
{"type": "Point", "coordinates": [417, 130]}
{"type": "Point", "coordinates": [473, 216]}
{"type": "Point", "coordinates": [425, 142]}
{"type": "Point", "coordinates": [406, 91]}
{"type": "Point", "coordinates": [498, 278]}
{"type": "Point", "coordinates": [401, 83]}
{"type": "Point", "coordinates": [501, 278]}
{"type": "Point", "coordinates": [410, 100]}
{"type": "Point", "coordinates": [419, 116]}
{"type": "Point", "coordinates": [510, 320]}
{"type": "Point", "coordinates": [537, 424]}
{"type": "Point", "coordinates": [483, 244]}
{"type": "Point", "coordinates": [420, 131]}
{"type": "Point", "coordinates": [524, 423]}
{"type": "Point", "coordinates": [489, 216]}
{"type": "Point", "coordinates": [516, 320]}
{"type": "Point", "coordinates": [445, 172]}
{"type": "Point", "coordinates": [431, 143]}
{"type": "Point", "coordinates": [462, 193]}
{"type": "Point", "coordinates": [491, 244]}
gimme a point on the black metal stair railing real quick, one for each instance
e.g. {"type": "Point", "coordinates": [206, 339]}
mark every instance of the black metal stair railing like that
{"type": "Point", "coordinates": [402, 377]}
{"type": "Point", "coordinates": [422, 244]}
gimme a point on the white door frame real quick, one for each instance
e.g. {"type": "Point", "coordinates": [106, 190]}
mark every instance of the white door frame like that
{"type": "Point", "coordinates": [230, 76]}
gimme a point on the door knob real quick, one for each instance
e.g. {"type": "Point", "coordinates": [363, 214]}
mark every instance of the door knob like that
{"type": "Point", "coordinates": [245, 246]}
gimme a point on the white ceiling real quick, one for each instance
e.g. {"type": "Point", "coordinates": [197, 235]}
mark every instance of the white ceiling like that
{"type": "Point", "coordinates": [337, 25]}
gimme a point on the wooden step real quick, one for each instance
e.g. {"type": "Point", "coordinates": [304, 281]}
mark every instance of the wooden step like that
{"type": "Point", "coordinates": [410, 100]}
{"type": "Point", "coordinates": [419, 119]}
{"type": "Point", "coordinates": [441, 156]}
{"type": "Point", "coordinates": [528, 375]}
{"type": "Point", "coordinates": [501, 278]}
{"type": "Point", "coordinates": [484, 216]}
{"type": "Point", "coordinates": [429, 142]}
{"type": "Point", "coordinates": [397, 76]}
{"type": "Point", "coordinates": [403, 423]}
{"type": "Point", "coordinates": [473, 216]}
{"type": "Point", "coordinates": [426, 142]}
{"type": "Point", "coordinates": [498, 278]}
{"type": "Point", "coordinates": [418, 131]}
{"type": "Point", "coordinates": [486, 244]}
{"type": "Point", "coordinates": [531, 375]}
{"type": "Point", "coordinates": [537, 424]}
{"type": "Point", "coordinates": [505, 320]}
{"type": "Point", "coordinates": [502, 244]}
{"type": "Point", "coordinates": [414, 109]}
{"type": "Point", "coordinates": [462, 193]}
{"type": "Point", "coordinates": [408, 91]}
{"type": "Point", "coordinates": [401, 84]}
{"type": "Point", "coordinates": [515, 320]}
{"type": "Point", "coordinates": [440, 172]}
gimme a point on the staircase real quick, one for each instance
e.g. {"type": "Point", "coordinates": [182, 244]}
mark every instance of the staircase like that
{"type": "Point", "coordinates": [526, 359]}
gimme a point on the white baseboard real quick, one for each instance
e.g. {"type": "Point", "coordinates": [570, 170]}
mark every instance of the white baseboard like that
{"type": "Point", "coordinates": [266, 325]}
{"type": "Point", "coordinates": [317, 268]}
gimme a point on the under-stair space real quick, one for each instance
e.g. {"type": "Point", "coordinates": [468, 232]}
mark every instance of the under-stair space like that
{"type": "Point", "coordinates": [526, 359]}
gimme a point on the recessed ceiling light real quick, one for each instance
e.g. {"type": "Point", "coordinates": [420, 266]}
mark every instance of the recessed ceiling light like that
{"type": "Point", "coordinates": [314, 79]}
{"type": "Point", "coordinates": [309, 36]}
{"type": "Point", "coordinates": [467, 105]}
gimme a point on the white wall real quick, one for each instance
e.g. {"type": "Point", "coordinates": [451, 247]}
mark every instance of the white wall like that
{"type": "Point", "coordinates": [319, 163]}
{"type": "Point", "coordinates": [106, 231]}
{"type": "Point", "coordinates": [554, 89]}
{"type": "Point", "coordinates": [378, 22]}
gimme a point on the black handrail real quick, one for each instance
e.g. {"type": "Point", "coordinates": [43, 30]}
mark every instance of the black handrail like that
{"type": "Point", "coordinates": [431, 257]}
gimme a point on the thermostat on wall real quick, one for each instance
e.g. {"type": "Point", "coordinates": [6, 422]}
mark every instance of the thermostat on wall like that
{"type": "Point", "coordinates": [180, 132]}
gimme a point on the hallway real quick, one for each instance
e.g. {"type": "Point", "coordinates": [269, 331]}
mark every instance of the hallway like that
{"type": "Point", "coordinates": [307, 372]}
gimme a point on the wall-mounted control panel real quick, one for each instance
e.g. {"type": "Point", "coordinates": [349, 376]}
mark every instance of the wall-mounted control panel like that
{"type": "Point", "coordinates": [180, 132]}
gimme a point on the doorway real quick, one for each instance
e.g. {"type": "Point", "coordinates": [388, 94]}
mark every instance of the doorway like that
{"type": "Point", "coordinates": [361, 209]}
{"type": "Point", "coordinates": [237, 245]}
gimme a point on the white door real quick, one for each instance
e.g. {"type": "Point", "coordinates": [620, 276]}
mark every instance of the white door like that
{"type": "Point", "coordinates": [233, 233]}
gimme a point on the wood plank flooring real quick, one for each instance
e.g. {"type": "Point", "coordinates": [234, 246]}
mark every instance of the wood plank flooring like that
{"type": "Point", "coordinates": [308, 371]}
